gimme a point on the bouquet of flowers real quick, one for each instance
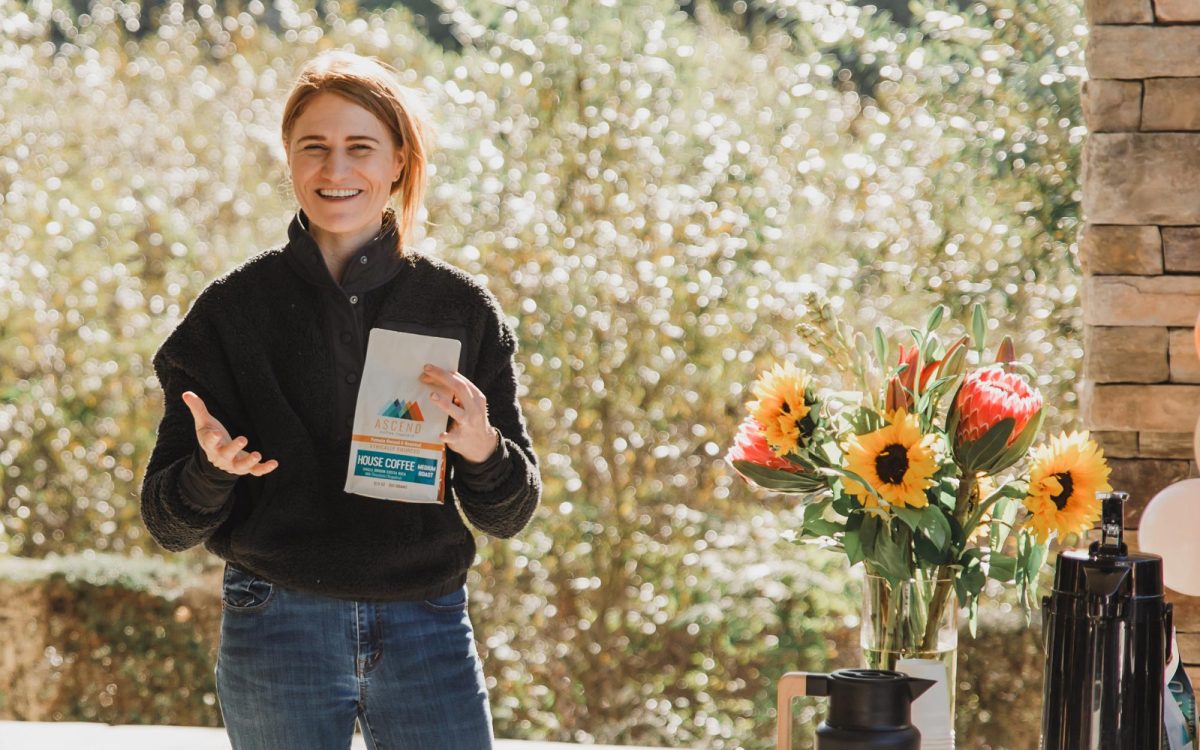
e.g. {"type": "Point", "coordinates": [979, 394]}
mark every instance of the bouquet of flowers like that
{"type": "Point", "coordinates": [923, 466]}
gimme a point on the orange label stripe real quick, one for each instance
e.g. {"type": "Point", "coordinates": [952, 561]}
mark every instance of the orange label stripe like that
{"type": "Point", "coordinates": [397, 442]}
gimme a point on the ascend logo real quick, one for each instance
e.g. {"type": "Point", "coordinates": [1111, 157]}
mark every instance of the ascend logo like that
{"type": "Point", "coordinates": [397, 409]}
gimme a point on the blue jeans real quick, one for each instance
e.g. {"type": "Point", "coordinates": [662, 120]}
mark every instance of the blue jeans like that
{"type": "Point", "coordinates": [295, 671]}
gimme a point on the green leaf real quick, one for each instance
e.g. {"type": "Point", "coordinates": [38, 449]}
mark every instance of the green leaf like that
{"type": "Point", "coordinates": [1019, 448]}
{"type": "Point", "coordinates": [839, 471]}
{"type": "Point", "coordinates": [816, 524]}
{"type": "Point", "coordinates": [958, 537]}
{"type": "Point", "coordinates": [1035, 560]}
{"type": "Point", "coordinates": [979, 328]}
{"type": "Point", "coordinates": [952, 418]}
{"type": "Point", "coordinates": [928, 354]}
{"type": "Point", "coordinates": [929, 553]}
{"type": "Point", "coordinates": [822, 527]}
{"type": "Point", "coordinates": [1002, 567]}
{"type": "Point", "coordinates": [779, 480]}
{"type": "Point", "coordinates": [816, 508]}
{"type": "Point", "coordinates": [881, 347]}
{"type": "Point", "coordinates": [970, 580]}
{"type": "Point", "coordinates": [989, 445]}
{"type": "Point", "coordinates": [936, 527]}
{"type": "Point", "coordinates": [1003, 514]}
{"type": "Point", "coordinates": [852, 543]}
{"type": "Point", "coordinates": [1025, 369]}
{"type": "Point", "coordinates": [852, 539]}
{"type": "Point", "coordinates": [1030, 558]}
{"type": "Point", "coordinates": [955, 363]}
{"type": "Point", "coordinates": [910, 516]}
{"type": "Point", "coordinates": [890, 558]}
{"type": "Point", "coordinates": [845, 505]}
{"type": "Point", "coordinates": [869, 532]}
{"type": "Point", "coordinates": [941, 382]}
{"type": "Point", "coordinates": [935, 318]}
{"type": "Point", "coordinates": [862, 351]}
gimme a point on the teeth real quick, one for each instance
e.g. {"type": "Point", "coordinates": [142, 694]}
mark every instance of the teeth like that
{"type": "Point", "coordinates": [338, 193]}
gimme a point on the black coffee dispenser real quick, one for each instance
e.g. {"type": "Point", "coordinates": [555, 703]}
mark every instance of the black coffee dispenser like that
{"type": "Point", "coordinates": [1106, 632]}
{"type": "Point", "coordinates": [869, 709]}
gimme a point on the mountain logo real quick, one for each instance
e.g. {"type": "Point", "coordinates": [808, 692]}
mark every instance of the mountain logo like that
{"type": "Point", "coordinates": [398, 409]}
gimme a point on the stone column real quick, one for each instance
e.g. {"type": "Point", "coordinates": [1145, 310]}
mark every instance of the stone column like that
{"type": "Point", "coordinates": [1140, 252]}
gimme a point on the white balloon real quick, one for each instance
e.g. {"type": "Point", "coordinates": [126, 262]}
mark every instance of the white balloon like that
{"type": "Point", "coordinates": [1168, 529]}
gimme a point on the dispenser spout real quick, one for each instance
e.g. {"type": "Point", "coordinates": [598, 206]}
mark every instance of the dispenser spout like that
{"type": "Point", "coordinates": [1112, 525]}
{"type": "Point", "coordinates": [917, 686]}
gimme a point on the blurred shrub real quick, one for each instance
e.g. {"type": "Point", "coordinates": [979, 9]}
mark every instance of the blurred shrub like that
{"type": "Point", "coordinates": [647, 191]}
{"type": "Point", "coordinates": [681, 646]}
{"type": "Point", "coordinates": [99, 637]}
{"type": "Point", "coordinates": [1000, 682]}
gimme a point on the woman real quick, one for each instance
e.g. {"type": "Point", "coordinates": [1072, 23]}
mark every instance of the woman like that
{"type": "Point", "coordinates": [339, 607]}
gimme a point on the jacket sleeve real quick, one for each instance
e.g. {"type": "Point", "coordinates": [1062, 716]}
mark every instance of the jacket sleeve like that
{"type": "Point", "coordinates": [499, 495]}
{"type": "Point", "coordinates": [184, 498]}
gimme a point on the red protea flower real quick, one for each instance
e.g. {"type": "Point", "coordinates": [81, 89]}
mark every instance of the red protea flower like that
{"type": "Point", "coordinates": [909, 376]}
{"type": "Point", "coordinates": [751, 445]}
{"type": "Point", "coordinates": [986, 398]}
{"type": "Point", "coordinates": [901, 386]}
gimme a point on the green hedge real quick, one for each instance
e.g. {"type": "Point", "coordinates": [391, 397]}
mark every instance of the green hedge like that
{"type": "Point", "coordinates": [133, 641]}
{"type": "Point", "coordinates": [108, 639]}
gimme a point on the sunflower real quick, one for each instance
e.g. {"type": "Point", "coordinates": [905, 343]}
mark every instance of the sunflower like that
{"type": "Point", "coordinates": [784, 407]}
{"type": "Point", "coordinates": [1064, 478]}
{"type": "Point", "coordinates": [898, 460]}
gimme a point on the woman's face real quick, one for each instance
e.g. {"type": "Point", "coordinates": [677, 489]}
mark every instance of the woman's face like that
{"type": "Point", "coordinates": [338, 146]}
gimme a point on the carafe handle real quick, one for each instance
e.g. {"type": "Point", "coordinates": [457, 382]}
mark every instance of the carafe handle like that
{"type": "Point", "coordinates": [795, 685]}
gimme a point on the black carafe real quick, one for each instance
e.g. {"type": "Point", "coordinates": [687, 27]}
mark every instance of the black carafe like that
{"type": "Point", "coordinates": [1106, 633]}
{"type": "Point", "coordinates": [869, 709]}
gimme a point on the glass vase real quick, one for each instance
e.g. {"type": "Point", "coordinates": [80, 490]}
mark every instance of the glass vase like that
{"type": "Point", "coordinates": [913, 628]}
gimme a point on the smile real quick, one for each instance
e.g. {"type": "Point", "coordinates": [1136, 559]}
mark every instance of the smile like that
{"type": "Point", "coordinates": [338, 195]}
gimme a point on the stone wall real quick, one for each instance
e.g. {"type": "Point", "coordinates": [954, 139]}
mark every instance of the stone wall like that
{"type": "Point", "coordinates": [1140, 251]}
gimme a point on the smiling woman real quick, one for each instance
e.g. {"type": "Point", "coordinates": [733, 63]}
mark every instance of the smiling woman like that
{"type": "Point", "coordinates": [338, 607]}
{"type": "Point", "coordinates": [349, 151]}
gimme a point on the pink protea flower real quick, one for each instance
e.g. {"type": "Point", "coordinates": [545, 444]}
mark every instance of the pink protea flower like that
{"type": "Point", "coordinates": [751, 445]}
{"type": "Point", "coordinates": [990, 395]}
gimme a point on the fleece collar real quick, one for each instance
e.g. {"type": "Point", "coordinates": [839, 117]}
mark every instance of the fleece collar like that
{"type": "Point", "coordinates": [382, 262]}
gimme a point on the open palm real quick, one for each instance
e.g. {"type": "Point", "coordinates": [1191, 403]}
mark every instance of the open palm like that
{"type": "Point", "coordinates": [224, 452]}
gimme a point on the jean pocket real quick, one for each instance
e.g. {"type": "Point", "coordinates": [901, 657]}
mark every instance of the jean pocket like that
{"type": "Point", "coordinates": [453, 603]}
{"type": "Point", "coordinates": [242, 591]}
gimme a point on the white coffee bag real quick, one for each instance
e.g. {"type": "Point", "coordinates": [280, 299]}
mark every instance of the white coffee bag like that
{"type": "Point", "coordinates": [395, 451]}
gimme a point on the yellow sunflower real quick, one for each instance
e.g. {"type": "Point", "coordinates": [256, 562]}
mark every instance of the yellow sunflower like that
{"type": "Point", "coordinates": [898, 460]}
{"type": "Point", "coordinates": [1064, 478]}
{"type": "Point", "coordinates": [783, 407]}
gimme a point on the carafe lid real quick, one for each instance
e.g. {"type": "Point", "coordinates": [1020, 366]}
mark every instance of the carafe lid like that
{"type": "Point", "coordinates": [873, 699]}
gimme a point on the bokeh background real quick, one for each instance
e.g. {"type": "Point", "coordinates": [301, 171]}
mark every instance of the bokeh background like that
{"type": "Point", "coordinates": [649, 188]}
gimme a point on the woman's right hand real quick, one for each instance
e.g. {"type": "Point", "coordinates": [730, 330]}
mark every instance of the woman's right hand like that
{"type": "Point", "coordinates": [222, 451]}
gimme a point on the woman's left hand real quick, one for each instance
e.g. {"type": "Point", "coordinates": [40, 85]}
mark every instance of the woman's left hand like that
{"type": "Point", "coordinates": [470, 434]}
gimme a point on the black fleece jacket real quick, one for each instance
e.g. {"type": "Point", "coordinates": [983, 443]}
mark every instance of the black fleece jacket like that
{"type": "Point", "coordinates": [275, 348]}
